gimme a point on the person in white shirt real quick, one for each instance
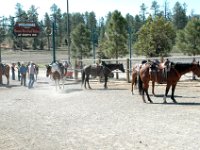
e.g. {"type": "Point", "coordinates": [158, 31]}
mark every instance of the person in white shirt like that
{"type": "Point", "coordinates": [31, 73]}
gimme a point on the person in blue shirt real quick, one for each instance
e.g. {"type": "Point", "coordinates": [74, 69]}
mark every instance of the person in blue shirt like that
{"type": "Point", "coordinates": [23, 70]}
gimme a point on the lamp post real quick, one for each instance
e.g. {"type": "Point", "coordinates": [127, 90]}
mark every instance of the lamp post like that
{"type": "Point", "coordinates": [68, 35]}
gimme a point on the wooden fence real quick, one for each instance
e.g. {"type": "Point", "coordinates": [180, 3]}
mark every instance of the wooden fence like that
{"type": "Point", "coordinates": [128, 64]}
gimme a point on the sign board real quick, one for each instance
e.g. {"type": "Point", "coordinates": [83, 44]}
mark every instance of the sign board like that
{"type": "Point", "coordinates": [26, 29]}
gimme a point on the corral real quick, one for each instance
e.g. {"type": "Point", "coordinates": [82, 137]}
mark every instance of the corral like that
{"type": "Point", "coordinates": [75, 118]}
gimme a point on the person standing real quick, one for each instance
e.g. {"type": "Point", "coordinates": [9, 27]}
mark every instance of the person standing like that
{"type": "Point", "coordinates": [18, 68]}
{"type": "Point", "coordinates": [23, 70]}
{"type": "Point", "coordinates": [13, 71]}
{"type": "Point", "coordinates": [31, 73]}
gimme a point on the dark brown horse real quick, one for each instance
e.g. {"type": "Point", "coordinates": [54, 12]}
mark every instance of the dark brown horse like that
{"type": "Point", "coordinates": [4, 70]}
{"type": "Point", "coordinates": [99, 70]}
{"type": "Point", "coordinates": [173, 76]}
{"type": "Point", "coordinates": [56, 72]}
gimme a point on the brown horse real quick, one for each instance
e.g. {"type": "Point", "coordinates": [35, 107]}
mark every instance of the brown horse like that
{"type": "Point", "coordinates": [173, 76]}
{"type": "Point", "coordinates": [4, 70]}
{"type": "Point", "coordinates": [135, 73]}
{"type": "Point", "coordinates": [56, 72]}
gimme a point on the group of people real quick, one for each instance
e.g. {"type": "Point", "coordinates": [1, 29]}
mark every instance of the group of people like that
{"type": "Point", "coordinates": [23, 70]}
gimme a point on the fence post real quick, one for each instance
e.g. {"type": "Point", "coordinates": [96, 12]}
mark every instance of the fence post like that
{"type": "Point", "coordinates": [127, 72]}
{"type": "Point", "coordinates": [75, 70]}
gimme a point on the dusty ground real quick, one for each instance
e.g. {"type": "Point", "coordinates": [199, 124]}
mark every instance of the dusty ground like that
{"type": "Point", "coordinates": [77, 119]}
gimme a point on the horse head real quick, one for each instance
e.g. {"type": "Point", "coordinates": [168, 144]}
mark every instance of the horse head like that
{"type": "Point", "coordinates": [48, 72]}
{"type": "Point", "coordinates": [121, 68]}
{"type": "Point", "coordinates": [196, 69]}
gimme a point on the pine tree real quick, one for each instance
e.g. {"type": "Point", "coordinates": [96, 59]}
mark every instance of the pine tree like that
{"type": "Point", "coordinates": [188, 39]}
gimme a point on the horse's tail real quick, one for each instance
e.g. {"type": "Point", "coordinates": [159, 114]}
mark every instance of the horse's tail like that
{"type": "Point", "coordinates": [83, 76]}
{"type": "Point", "coordinates": [140, 85]}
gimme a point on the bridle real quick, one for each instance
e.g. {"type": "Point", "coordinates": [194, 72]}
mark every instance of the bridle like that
{"type": "Point", "coordinates": [197, 67]}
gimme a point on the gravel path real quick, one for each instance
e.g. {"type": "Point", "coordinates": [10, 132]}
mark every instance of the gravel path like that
{"type": "Point", "coordinates": [77, 119]}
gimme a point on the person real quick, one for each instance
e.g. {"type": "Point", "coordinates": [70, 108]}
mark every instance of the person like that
{"type": "Point", "coordinates": [31, 73]}
{"type": "Point", "coordinates": [13, 71]}
{"type": "Point", "coordinates": [18, 68]}
{"type": "Point", "coordinates": [23, 70]}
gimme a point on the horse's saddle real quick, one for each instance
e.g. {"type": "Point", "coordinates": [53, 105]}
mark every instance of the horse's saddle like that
{"type": "Point", "coordinates": [159, 70]}
{"type": "Point", "coordinates": [58, 67]}
{"type": "Point", "coordinates": [97, 70]}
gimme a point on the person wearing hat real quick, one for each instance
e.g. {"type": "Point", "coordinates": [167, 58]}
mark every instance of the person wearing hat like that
{"type": "Point", "coordinates": [23, 70]}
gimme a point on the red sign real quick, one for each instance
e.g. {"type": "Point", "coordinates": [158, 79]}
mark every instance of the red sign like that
{"type": "Point", "coordinates": [26, 29]}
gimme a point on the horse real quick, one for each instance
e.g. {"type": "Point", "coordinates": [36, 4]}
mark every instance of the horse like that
{"type": "Point", "coordinates": [161, 66]}
{"type": "Point", "coordinates": [173, 75]}
{"type": "Point", "coordinates": [99, 70]}
{"type": "Point", "coordinates": [135, 73]}
{"type": "Point", "coordinates": [56, 72]}
{"type": "Point", "coordinates": [4, 70]}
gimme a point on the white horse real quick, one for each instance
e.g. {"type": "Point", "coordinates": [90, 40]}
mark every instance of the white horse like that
{"type": "Point", "coordinates": [56, 72]}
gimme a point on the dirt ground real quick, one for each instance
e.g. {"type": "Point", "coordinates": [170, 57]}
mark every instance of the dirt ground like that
{"type": "Point", "coordinates": [77, 119]}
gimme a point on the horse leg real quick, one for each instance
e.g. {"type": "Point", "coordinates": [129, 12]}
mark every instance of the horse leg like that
{"type": "Point", "coordinates": [166, 92]}
{"type": "Point", "coordinates": [106, 80]}
{"type": "Point", "coordinates": [153, 85]}
{"type": "Point", "coordinates": [143, 98]}
{"type": "Point", "coordinates": [147, 94]}
{"type": "Point", "coordinates": [132, 83]}
{"type": "Point", "coordinates": [1, 79]}
{"type": "Point", "coordinates": [63, 83]}
{"type": "Point", "coordinates": [84, 82]}
{"type": "Point", "coordinates": [8, 80]}
{"type": "Point", "coordinates": [87, 79]}
{"type": "Point", "coordinates": [173, 90]}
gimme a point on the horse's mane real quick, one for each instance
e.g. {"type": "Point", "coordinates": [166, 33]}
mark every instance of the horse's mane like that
{"type": "Point", "coordinates": [109, 65]}
{"type": "Point", "coordinates": [182, 66]}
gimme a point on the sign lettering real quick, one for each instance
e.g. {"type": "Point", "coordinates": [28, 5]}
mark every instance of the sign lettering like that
{"type": "Point", "coordinates": [26, 29]}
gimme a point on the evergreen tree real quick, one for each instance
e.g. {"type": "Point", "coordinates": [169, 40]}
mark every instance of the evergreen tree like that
{"type": "Point", "coordinates": [179, 16]}
{"type": "Point", "coordinates": [155, 38]}
{"type": "Point", "coordinates": [81, 46]}
{"type": "Point", "coordinates": [155, 8]}
{"type": "Point", "coordinates": [188, 39]}
{"type": "Point", "coordinates": [116, 32]}
{"type": "Point", "coordinates": [143, 12]}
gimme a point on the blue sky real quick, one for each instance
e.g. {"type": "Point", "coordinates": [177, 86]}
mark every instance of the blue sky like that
{"type": "Point", "coordinates": [100, 7]}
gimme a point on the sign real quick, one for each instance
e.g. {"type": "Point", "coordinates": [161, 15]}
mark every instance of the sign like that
{"type": "Point", "coordinates": [26, 29]}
